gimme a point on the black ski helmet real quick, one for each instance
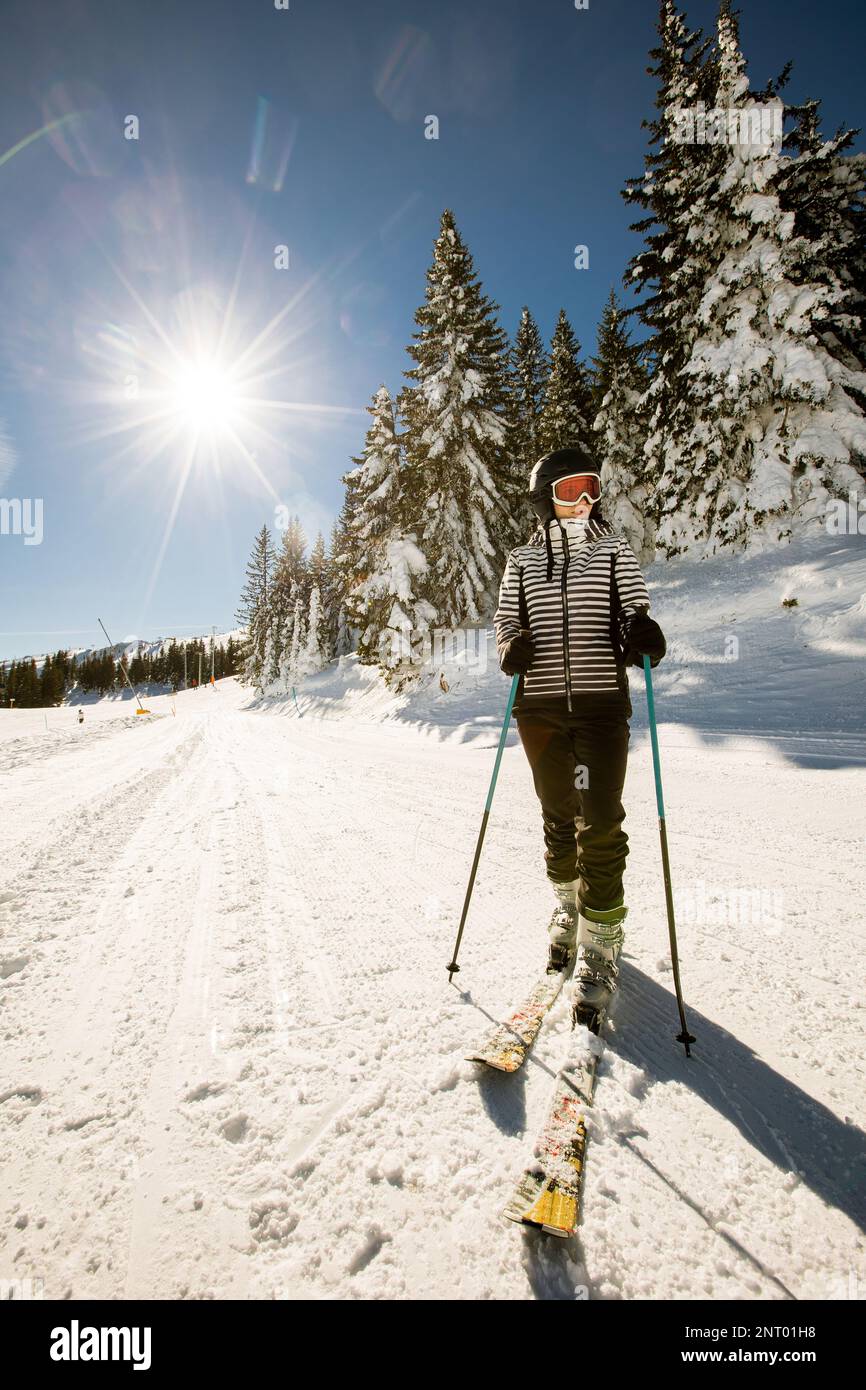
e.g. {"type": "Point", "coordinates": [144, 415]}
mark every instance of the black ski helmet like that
{"type": "Point", "coordinates": [558, 464]}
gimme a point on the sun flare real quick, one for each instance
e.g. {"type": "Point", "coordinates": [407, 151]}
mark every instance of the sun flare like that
{"type": "Point", "coordinates": [203, 397]}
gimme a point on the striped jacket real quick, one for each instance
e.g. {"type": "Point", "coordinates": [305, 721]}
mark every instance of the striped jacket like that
{"type": "Point", "coordinates": [578, 602]}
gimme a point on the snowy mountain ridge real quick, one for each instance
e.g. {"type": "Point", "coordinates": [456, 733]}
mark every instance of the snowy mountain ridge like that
{"type": "Point", "coordinates": [131, 646]}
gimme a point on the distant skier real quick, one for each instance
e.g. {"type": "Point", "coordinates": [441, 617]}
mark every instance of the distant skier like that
{"type": "Point", "coordinates": [573, 613]}
{"type": "Point", "coordinates": [80, 715]}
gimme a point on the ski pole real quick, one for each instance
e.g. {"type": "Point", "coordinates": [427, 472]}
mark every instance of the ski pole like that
{"type": "Point", "coordinates": [453, 967]}
{"type": "Point", "coordinates": [685, 1037]}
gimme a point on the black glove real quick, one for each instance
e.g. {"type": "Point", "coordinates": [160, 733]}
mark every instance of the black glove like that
{"type": "Point", "coordinates": [518, 655]}
{"type": "Point", "coordinates": [644, 638]}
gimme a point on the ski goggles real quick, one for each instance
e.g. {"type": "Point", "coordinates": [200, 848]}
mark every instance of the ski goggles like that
{"type": "Point", "coordinates": [567, 491]}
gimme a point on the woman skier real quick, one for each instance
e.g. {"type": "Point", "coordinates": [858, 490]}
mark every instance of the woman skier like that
{"type": "Point", "coordinates": [573, 613]}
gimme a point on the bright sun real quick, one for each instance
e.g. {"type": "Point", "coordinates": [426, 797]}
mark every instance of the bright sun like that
{"type": "Point", "coordinates": [203, 396]}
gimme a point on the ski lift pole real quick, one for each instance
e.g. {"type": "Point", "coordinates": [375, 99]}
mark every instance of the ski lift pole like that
{"type": "Point", "coordinates": [122, 671]}
{"type": "Point", "coordinates": [453, 967]}
{"type": "Point", "coordinates": [684, 1036]}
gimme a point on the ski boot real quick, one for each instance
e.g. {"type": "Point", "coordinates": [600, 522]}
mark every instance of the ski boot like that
{"type": "Point", "coordinates": [562, 929]}
{"type": "Point", "coordinates": [599, 942]}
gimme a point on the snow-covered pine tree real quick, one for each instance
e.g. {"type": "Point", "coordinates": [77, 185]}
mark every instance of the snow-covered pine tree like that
{"type": "Point", "coordinates": [343, 636]}
{"type": "Point", "coordinates": [766, 426]}
{"type": "Point", "coordinates": [291, 666]}
{"type": "Point", "coordinates": [340, 634]}
{"type": "Point", "coordinates": [528, 373]}
{"type": "Point", "coordinates": [461, 487]}
{"type": "Point", "coordinates": [666, 271]}
{"type": "Point", "coordinates": [290, 577]}
{"type": "Point", "coordinates": [313, 657]}
{"type": "Point", "coordinates": [269, 681]}
{"type": "Point", "coordinates": [277, 645]}
{"type": "Point", "coordinates": [566, 416]}
{"type": "Point", "coordinates": [381, 601]}
{"type": "Point", "coordinates": [344, 564]}
{"type": "Point", "coordinates": [774, 386]}
{"type": "Point", "coordinates": [320, 577]}
{"type": "Point", "coordinates": [375, 489]}
{"type": "Point", "coordinates": [299, 636]}
{"type": "Point", "coordinates": [376, 479]}
{"type": "Point", "coordinates": [620, 382]}
{"type": "Point", "coordinates": [814, 186]}
{"type": "Point", "coordinates": [253, 612]}
{"type": "Point", "coordinates": [291, 564]}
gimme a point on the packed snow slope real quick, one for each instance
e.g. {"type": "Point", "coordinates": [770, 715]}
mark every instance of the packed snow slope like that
{"type": "Point", "coordinates": [232, 1062]}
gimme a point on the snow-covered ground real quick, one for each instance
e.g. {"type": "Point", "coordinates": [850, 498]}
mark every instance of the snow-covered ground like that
{"type": "Point", "coordinates": [232, 1062]}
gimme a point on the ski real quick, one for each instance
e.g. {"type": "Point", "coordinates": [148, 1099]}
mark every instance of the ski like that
{"type": "Point", "coordinates": [548, 1194]}
{"type": "Point", "coordinates": [507, 1046]}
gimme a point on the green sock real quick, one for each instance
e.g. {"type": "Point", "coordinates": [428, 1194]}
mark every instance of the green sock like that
{"type": "Point", "coordinates": [611, 917]}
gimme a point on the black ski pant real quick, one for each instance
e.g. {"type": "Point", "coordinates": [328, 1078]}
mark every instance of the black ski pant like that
{"type": "Point", "coordinates": [578, 764]}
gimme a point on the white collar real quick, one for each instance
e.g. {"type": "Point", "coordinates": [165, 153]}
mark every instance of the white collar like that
{"type": "Point", "coordinates": [577, 530]}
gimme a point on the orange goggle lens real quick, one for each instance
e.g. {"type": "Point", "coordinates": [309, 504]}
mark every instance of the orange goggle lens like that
{"type": "Point", "coordinates": [578, 485]}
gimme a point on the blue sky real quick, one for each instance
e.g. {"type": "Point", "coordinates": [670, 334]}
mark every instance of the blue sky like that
{"type": "Point", "coordinates": [121, 259]}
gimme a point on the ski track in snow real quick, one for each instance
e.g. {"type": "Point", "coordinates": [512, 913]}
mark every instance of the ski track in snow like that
{"type": "Point", "coordinates": [233, 1063]}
